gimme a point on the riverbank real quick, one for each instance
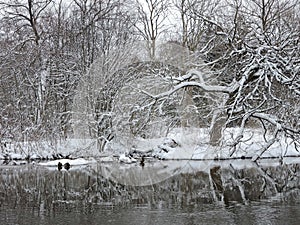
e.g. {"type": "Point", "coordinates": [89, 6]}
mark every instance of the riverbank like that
{"type": "Point", "coordinates": [180, 144]}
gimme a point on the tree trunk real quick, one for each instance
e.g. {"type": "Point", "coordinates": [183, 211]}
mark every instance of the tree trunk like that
{"type": "Point", "coordinates": [217, 127]}
{"type": "Point", "coordinates": [189, 115]}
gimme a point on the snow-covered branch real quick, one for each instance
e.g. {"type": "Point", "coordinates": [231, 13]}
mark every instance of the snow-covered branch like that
{"type": "Point", "coordinates": [199, 82]}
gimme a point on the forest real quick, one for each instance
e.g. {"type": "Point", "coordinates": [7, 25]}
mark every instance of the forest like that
{"type": "Point", "coordinates": [105, 68]}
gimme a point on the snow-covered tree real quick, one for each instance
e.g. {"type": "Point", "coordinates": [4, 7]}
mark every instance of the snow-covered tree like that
{"type": "Point", "coordinates": [238, 63]}
{"type": "Point", "coordinates": [24, 63]}
{"type": "Point", "coordinates": [46, 47]}
{"type": "Point", "coordinates": [254, 55]}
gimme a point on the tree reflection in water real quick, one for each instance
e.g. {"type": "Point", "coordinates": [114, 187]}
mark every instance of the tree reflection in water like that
{"type": "Point", "coordinates": [176, 185]}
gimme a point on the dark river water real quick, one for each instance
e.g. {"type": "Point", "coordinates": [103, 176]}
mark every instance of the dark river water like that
{"type": "Point", "coordinates": [162, 192]}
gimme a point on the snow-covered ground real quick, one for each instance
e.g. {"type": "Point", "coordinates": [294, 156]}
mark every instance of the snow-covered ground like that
{"type": "Point", "coordinates": [179, 144]}
{"type": "Point", "coordinates": [70, 148]}
{"type": "Point", "coordinates": [74, 162]}
{"type": "Point", "coordinates": [67, 164]}
{"type": "Point", "coordinates": [193, 144]}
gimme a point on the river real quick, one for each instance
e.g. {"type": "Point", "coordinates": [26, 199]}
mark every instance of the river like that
{"type": "Point", "coordinates": [161, 192]}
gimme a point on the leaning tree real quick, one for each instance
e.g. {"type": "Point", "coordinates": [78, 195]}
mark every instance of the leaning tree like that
{"type": "Point", "coordinates": [254, 53]}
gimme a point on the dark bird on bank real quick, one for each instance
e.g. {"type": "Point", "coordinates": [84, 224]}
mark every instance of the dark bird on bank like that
{"type": "Point", "coordinates": [142, 162]}
{"type": "Point", "coordinates": [59, 166]}
{"type": "Point", "coordinates": [67, 166]}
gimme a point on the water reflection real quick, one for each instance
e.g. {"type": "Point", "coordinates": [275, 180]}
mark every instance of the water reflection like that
{"type": "Point", "coordinates": [164, 192]}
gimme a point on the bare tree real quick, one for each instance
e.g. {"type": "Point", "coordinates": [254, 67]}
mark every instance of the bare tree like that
{"type": "Point", "coordinates": [194, 27]}
{"type": "Point", "coordinates": [150, 21]}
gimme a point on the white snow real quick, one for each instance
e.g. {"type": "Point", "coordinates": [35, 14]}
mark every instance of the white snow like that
{"type": "Point", "coordinates": [74, 148]}
{"type": "Point", "coordinates": [72, 162]}
{"type": "Point", "coordinates": [183, 143]}
{"type": "Point", "coordinates": [126, 159]}
{"type": "Point", "coordinates": [194, 145]}
{"type": "Point", "coordinates": [107, 159]}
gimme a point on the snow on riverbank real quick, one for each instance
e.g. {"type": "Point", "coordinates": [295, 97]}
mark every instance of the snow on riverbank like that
{"type": "Point", "coordinates": [72, 162]}
{"type": "Point", "coordinates": [194, 144]}
{"type": "Point", "coordinates": [251, 144]}
{"type": "Point", "coordinates": [179, 144]}
{"type": "Point", "coordinates": [70, 148]}
{"type": "Point", "coordinates": [67, 164]}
